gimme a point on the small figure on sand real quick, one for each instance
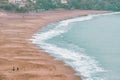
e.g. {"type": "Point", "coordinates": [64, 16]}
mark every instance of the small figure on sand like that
{"type": "Point", "coordinates": [15, 69]}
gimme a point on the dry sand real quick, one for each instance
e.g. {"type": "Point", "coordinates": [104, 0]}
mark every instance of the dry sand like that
{"type": "Point", "coordinates": [22, 60]}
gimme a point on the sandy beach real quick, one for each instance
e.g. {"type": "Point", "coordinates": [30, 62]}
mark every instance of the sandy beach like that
{"type": "Point", "coordinates": [22, 60]}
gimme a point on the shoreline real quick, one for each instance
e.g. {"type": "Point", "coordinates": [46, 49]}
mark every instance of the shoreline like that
{"type": "Point", "coordinates": [20, 59]}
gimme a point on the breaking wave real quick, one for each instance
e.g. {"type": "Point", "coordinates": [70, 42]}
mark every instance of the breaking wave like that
{"type": "Point", "coordinates": [84, 65]}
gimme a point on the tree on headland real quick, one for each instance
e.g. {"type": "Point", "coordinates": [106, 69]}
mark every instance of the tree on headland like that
{"type": "Point", "coordinates": [43, 4]}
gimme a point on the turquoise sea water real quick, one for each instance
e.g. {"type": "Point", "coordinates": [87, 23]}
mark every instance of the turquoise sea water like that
{"type": "Point", "coordinates": [89, 44]}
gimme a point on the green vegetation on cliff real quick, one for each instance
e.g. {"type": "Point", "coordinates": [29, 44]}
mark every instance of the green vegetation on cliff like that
{"type": "Point", "coordinates": [39, 5]}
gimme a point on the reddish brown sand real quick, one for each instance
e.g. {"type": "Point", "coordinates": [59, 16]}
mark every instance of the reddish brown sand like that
{"type": "Point", "coordinates": [22, 60]}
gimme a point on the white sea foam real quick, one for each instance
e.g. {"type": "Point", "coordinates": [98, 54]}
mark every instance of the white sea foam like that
{"type": "Point", "coordinates": [62, 27]}
{"type": "Point", "coordinates": [81, 63]}
{"type": "Point", "coordinates": [106, 14]}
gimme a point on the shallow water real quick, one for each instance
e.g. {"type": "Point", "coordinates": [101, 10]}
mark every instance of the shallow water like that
{"type": "Point", "coordinates": [90, 45]}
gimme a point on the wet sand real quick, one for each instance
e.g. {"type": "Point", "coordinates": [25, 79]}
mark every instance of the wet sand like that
{"type": "Point", "coordinates": [22, 60]}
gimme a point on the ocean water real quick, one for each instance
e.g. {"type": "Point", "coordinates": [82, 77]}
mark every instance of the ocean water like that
{"type": "Point", "coordinates": [89, 44]}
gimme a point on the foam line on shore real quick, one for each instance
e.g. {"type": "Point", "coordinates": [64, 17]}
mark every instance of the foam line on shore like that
{"type": "Point", "coordinates": [81, 63]}
{"type": "Point", "coordinates": [62, 27]}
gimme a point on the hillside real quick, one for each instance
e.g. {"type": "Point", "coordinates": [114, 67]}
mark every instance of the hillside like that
{"type": "Point", "coordinates": [3, 2]}
{"type": "Point", "coordinates": [112, 5]}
